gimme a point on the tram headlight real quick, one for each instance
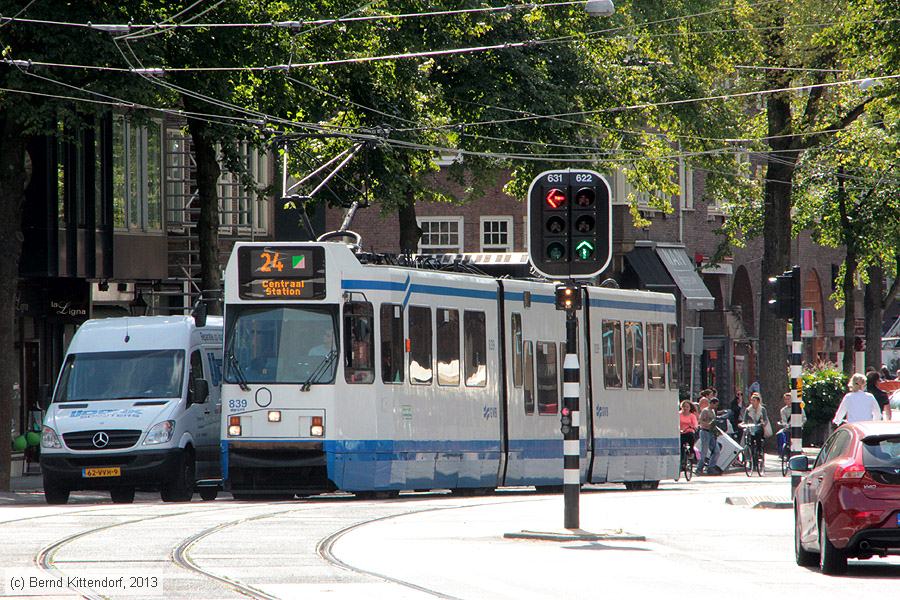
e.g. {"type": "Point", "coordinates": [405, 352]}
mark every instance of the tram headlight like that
{"type": "Point", "coordinates": [274, 416]}
{"type": "Point", "coordinates": [234, 426]}
{"type": "Point", "coordinates": [49, 439]}
{"type": "Point", "coordinates": [316, 429]}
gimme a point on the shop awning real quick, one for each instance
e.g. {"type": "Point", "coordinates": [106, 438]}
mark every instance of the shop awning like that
{"type": "Point", "coordinates": [650, 271]}
{"type": "Point", "coordinates": [681, 268]}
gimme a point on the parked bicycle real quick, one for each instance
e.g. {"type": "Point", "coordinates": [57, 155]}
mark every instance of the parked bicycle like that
{"type": "Point", "coordinates": [751, 456]}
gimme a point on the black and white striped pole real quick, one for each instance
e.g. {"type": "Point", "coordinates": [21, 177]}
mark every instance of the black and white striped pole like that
{"type": "Point", "coordinates": [796, 373]}
{"type": "Point", "coordinates": [568, 298]}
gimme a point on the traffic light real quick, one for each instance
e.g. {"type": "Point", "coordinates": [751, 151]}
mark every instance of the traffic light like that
{"type": "Point", "coordinates": [568, 297]}
{"type": "Point", "coordinates": [569, 217]}
{"type": "Point", "coordinates": [784, 294]}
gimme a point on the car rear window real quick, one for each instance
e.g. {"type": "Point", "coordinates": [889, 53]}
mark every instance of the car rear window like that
{"type": "Point", "coordinates": [881, 452]}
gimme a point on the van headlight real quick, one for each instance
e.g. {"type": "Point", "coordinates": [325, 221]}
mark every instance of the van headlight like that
{"type": "Point", "coordinates": [49, 439]}
{"type": "Point", "coordinates": [160, 433]}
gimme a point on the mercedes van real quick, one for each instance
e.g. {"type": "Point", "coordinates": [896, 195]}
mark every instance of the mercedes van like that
{"type": "Point", "coordinates": [136, 407]}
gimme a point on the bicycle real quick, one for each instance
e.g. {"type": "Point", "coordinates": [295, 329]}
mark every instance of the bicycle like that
{"type": "Point", "coordinates": [751, 455]}
{"type": "Point", "coordinates": [688, 460]}
{"type": "Point", "coordinates": [784, 449]}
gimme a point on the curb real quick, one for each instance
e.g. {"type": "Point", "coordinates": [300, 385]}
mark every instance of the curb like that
{"type": "Point", "coordinates": [576, 535]}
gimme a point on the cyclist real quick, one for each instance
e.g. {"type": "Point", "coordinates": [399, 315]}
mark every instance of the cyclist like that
{"type": "Point", "coordinates": [784, 434]}
{"type": "Point", "coordinates": [756, 415]}
{"type": "Point", "coordinates": [687, 424]}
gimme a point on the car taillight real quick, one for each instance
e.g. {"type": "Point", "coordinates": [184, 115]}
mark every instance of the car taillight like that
{"type": "Point", "coordinates": [851, 471]}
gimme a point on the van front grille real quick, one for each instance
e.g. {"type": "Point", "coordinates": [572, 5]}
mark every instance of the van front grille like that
{"type": "Point", "coordinates": [116, 439]}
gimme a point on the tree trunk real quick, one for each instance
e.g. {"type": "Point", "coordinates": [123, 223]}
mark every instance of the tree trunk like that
{"type": "Point", "coordinates": [12, 194]}
{"type": "Point", "coordinates": [208, 223]}
{"type": "Point", "coordinates": [410, 232]}
{"type": "Point", "coordinates": [849, 312]}
{"type": "Point", "coordinates": [874, 315]}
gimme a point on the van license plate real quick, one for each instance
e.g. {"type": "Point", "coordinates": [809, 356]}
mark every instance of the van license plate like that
{"type": "Point", "coordinates": [102, 472]}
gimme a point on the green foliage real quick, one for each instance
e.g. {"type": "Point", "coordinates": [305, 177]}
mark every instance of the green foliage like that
{"type": "Point", "coordinates": [823, 390]}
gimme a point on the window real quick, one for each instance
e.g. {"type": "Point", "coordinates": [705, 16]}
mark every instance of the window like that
{"type": "Point", "coordinates": [180, 186]}
{"type": "Point", "coordinates": [475, 348]}
{"type": "Point", "coordinates": [612, 354]}
{"type": "Point", "coordinates": [547, 379]}
{"type": "Point", "coordinates": [516, 339]}
{"type": "Point", "coordinates": [529, 379]}
{"type": "Point", "coordinates": [240, 188]}
{"type": "Point", "coordinates": [420, 366]}
{"type": "Point", "coordinates": [196, 373]}
{"type": "Point", "coordinates": [634, 354]}
{"type": "Point", "coordinates": [359, 361]}
{"type": "Point", "coordinates": [496, 234]}
{"type": "Point", "coordinates": [440, 235]}
{"type": "Point", "coordinates": [137, 175]}
{"type": "Point", "coordinates": [674, 356]}
{"type": "Point", "coordinates": [391, 343]}
{"type": "Point", "coordinates": [656, 357]}
{"type": "Point", "coordinates": [448, 346]}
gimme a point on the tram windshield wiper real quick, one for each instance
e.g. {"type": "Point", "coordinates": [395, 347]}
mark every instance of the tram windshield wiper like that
{"type": "Point", "coordinates": [238, 372]}
{"type": "Point", "coordinates": [319, 370]}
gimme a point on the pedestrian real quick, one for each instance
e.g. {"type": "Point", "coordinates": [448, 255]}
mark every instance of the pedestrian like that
{"type": "Point", "coordinates": [756, 415]}
{"type": "Point", "coordinates": [738, 404]}
{"type": "Point", "coordinates": [885, 374]}
{"type": "Point", "coordinates": [709, 447]}
{"type": "Point", "coordinates": [784, 434]}
{"type": "Point", "coordinates": [858, 404]}
{"type": "Point", "coordinates": [687, 424]}
{"type": "Point", "coordinates": [881, 396]}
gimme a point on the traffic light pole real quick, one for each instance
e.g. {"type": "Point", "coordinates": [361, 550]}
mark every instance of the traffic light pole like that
{"type": "Point", "coordinates": [570, 420]}
{"type": "Point", "coordinates": [796, 374]}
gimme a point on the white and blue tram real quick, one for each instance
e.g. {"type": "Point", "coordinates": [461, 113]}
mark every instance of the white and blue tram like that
{"type": "Point", "coordinates": [372, 378]}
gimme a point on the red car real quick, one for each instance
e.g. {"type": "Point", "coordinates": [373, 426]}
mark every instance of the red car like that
{"type": "Point", "coordinates": [847, 504]}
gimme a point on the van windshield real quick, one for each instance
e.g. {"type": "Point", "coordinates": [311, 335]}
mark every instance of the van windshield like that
{"type": "Point", "coordinates": [280, 344]}
{"type": "Point", "coordinates": [121, 375]}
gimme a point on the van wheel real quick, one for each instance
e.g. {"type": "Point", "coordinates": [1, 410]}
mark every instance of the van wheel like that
{"type": "Point", "coordinates": [209, 493]}
{"type": "Point", "coordinates": [55, 494]}
{"type": "Point", "coordinates": [122, 495]}
{"type": "Point", "coordinates": [181, 488]}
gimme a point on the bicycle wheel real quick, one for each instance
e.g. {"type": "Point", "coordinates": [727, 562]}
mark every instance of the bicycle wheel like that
{"type": "Point", "coordinates": [760, 461]}
{"type": "Point", "coordinates": [688, 462]}
{"type": "Point", "coordinates": [785, 463]}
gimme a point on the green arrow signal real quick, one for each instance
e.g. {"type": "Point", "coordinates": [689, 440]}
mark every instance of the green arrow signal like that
{"type": "Point", "coordinates": [585, 250]}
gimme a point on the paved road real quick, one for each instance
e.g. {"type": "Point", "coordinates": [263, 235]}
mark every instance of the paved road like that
{"type": "Point", "coordinates": [434, 545]}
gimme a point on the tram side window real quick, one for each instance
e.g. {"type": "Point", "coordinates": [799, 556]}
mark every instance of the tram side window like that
{"type": "Point", "coordinates": [420, 353]}
{"type": "Point", "coordinates": [516, 338]}
{"type": "Point", "coordinates": [612, 354]}
{"type": "Point", "coordinates": [656, 357]}
{"type": "Point", "coordinates": [547, 379]}
{"type": "Point", "coordinates": [529, 379]}
{"type": "Point", "coordinates": [359, 361]}
{"type": "Point", "coordinates": [475, 348]}
{"type": "Point", "coordinates": [392, 343]}
{"type": "Point", "coordinates": [634, 354]}
{"type": "Point", "coordinates": [447, 346]}
{"type": "Point", "coordinates": [674, 356]}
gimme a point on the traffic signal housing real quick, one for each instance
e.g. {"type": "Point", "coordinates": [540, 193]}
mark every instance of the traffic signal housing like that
{"type": "Point", "coordinates": [569, 224]}
{"type": "Point", "coordinates": [568, 297]}
{"type": "Point", "coordinates": [784, 294]}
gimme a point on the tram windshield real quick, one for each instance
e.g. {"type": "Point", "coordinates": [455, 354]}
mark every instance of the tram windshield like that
{"type": "Point", "coordinates": [121, 375]}
{"type": "Point", "coordinates": [285, 344]}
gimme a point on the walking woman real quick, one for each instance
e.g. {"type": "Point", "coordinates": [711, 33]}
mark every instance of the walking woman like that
{"type": "Point", "coordinates": [858, 404]}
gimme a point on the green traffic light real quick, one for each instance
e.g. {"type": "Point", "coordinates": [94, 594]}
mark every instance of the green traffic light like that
{"type": "Point", "coordinates": [584, 250]}
{"type": "Point", "coordinates": [556, 251]}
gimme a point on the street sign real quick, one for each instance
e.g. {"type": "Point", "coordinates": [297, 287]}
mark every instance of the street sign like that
{"type": "Point", "coordinates": [569, 224]}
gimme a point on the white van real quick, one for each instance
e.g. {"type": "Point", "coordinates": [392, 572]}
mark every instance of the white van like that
{"type": "Point", "coordinates": [136, 406]}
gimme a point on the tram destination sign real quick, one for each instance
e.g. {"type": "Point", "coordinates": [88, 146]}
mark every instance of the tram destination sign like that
{"type": "Point", "coordinates": [281, 273]}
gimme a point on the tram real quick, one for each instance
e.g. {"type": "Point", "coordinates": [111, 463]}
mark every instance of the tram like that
{"type": "Point", "coordinates": [342, 374]}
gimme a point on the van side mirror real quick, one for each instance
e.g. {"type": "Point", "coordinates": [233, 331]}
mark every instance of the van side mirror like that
{"type": "Point", "coordinates": [201, 391]}
{"type": "Point", "coordinates": [44, 396]}
{"type": "Point", "coordinates": [199, 313]}
{"type": "Point", "coordinates": [799, 464]}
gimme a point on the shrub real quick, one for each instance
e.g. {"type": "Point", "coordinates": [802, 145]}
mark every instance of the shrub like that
{"type": "Point", "coordinates": [823, 390]}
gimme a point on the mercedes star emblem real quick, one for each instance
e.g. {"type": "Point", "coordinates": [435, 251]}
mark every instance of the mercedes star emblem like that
{"type": "Point", "coordinates": [100, 439]}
